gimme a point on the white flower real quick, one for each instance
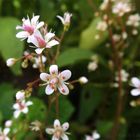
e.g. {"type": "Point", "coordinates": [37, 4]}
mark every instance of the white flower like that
{"type": "Point", "coordinates": [20, 95]}
{"type": "Point", "coordinates": [66, 19]}
{"type": "Point", "coordinates": [4, 133]}
{"type": "Point", "coordinates": [95, 136]}
{"type": "Point", "coordinates": [116, 37]}
{"type": "Point", "coordinates": [124, 76]}
{"type": "Point", "coordinates": [120, 8]}
{"type": "Point", "coordinates": [102, 26]}
{"type": "Point", "coordinates": [35, 126]}
{"type": "Point", "coordinates": [41, 42]}
{"type": "Point", "coordinates": [8, 123]}
{"type": "Point", "coordinates": [56, 80]}
{"type": "Point", "coordinates": [133, 20]}
{"type": "Point", "coordinates": [21, 107]}
{"type": "Point", "coordinates": [29, 27]}
{"type": "Point", "coordinates": [11, 61]}
{"type": "Point", "coordinates": [83, 80]}
{"type": "Point", "coordinates": [92, 66]}
{"type": "Point", "coordinates": [135, 83]}
{"type": "Point", "coordinates": [59, 131]}
{"type": "Point", "coordinates": [37, 61]}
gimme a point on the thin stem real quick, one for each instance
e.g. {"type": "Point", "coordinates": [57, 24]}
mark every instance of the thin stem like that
{"type": "Point", "coordinates": [42, 68]}
{"type": "Point", "coordinates": [58, 47]}
{"type": "Point", "coordinates": [57, 105]}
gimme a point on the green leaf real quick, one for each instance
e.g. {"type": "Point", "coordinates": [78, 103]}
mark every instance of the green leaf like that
{"type": "Point", "coordinates": [7, 93]}
{"type": "Point", "coordinates": [37, 111]}
{"type": "Point", "coordinates": [88, 40]}
{"type": "Point", "coordinates": [91, 96]}
{"type": "Point", "coordinates": [71, 56]}
{"type": "Point", "coordinates": [104, 127]}
{"type": "Point", "coordinates": [47, 10]}
{"type": "Point", "coordinates": [10, 46]}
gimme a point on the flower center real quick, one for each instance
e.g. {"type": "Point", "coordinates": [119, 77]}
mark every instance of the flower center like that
{"type": "Point", "coordinates": [29, 29]}
{"type": "Point", "coordinates": [58, 133]}
{"type": "Point", "coordinates": [41, 42]}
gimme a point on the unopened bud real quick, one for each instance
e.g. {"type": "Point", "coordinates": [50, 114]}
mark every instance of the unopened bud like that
{"type": "Point", "coordinates": [83, 80]}
{"type": "Point", "coordinates": [11, 61]}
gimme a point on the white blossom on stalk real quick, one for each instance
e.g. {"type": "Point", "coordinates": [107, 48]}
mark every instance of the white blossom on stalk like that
{"type": "Point", "coordinates": [21, 107]}
{"type": "Point", "coordinates": [11, 61]}
{"type": "Point", "coordinates": [41, 42]}
{"type": "Point", "coordinates": [37, 61]}
{"type": "Point", "coordinates": [20, 95]}
{"type": "Point", "coordinates": [83, 80]}
{"type": "Point", "coordinates": [92, 66]}
{"type": "Point", "coordinates": [95, 136]}
{"type": "Point", "coordinates": [29, 27]}
{"type": "Point", "coordinates": [56, 80]}
{"type": "Point", "coordinates": [136, 84]}
{"type": "Point", "coordinates": [66, 19]}
{"type": "Point", "coordinates": [8, 123]}
{"type": "Point", "coordinates": [4, 134]}
{"type": "Point", "coordinates": [102, 26]}
{"type": "Point", "coordinates": [133, 20]}
{"type": "Point", "coordinates": [120, 8]}
{"type": "Point", "coordinates": [59, 131]}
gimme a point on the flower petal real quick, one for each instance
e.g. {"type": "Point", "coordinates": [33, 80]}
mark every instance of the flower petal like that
{"type": "Point", "coordinates": [25, 110]}
{"type": "Point", "coordinates": [6, 131]}
{"type": "Point", "coordinates": [48, 36]}
{"type": "Point", "coordinates": [28, 103]}
{"type": "Point", "coordinates": [65, 126]}
{"type": "Point", "coordinates": [53, 69]}
{"type": "Point", "coordinates": [64, 137]}
{"type": "Point", "coordinates": [50, 131]}
{"type": "Point", "coordinates": [39, 50]}
{"type": "Point", "coordinates": [52, 43]}
{"type": "Point", "coordinates": [61, 18]}
{"type": "Point", "coordinates": [49, 90]}
{"type": "Point", "coordinates": [16, 106]}
{"type": "Point", "coordinates": [55, 138]}
{"type": "Point", "coordinates": [45, 77]}
{"type": "Point", "coordinates": [40, 25]}
{"type": "Point", "coordinates": [135, 81]}
{"type": "Point", "coordinates": [34, 20]}
{"type": "Point", "coordinates": [17, 113]}
{"type": "Point", "coordinates": [135, 92]}
{"type": "Point", "coordinates": [56, 123]}
{"type": "Point", "coordinates": [63, 89]}
{"type": "Point", "coordinates": [65, 75]}
{"type": "Point", "coordinates": [22, 35]}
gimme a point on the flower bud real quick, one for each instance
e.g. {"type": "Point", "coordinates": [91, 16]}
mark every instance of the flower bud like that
{"type": "Point", "coordinates": [83, 80]}
{"type": "Point", "coordinates": [11, 61]}
{"type": "Point", "coordinates": [8, 123]}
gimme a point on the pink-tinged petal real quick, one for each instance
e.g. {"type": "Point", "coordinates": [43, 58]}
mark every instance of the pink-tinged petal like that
{"type": "Point", "coordinates": [22, 35]}
{"type": "Point", "coordinates": [39, 50]}
{"type": "Point", "coordinates": [16, 113]}
{"type": "Point", "coordinates": [64, 137]}
{"type": "Point", "coordinates": [65, 126]}
{"type": "Point", "coordinates": [34, 20]}
{"type": "Point", "coordinates": [16, 106]}
{"type": "Point", "coordinates": [49, 36]}
{"type": "Point", "coordinates": [40, 25]}
{"type": "Point", "coordinates": [65, 75]}
{"type": "Point", "coordinates": [53, 69]}
{"type": "Point", "coordinates": [61, 18]}
{"type": "Point", "coordinates": [45, 77]}
{"type": "Point", "coordinates": [32, 39]}
{"type": "Point", "coordinates": [49, 90]}
{"type": "Point", "coordinates": [56, 123]}
{"type": "Point", "coordinates": [136, 82]}
{"type": "Point", "coordinates": [52, 43]}
{"type": "Point", "coordinates": [25, 110]}
{"type": "Point", "coordinates": [28, 103]}
{"type": "Point", "coordinates": [135, 92]}
{"type": "Point", "coordinates": [63, 89]}
{"type": "Point", "coordinates": [50, 131]}
{"type": "Point", "coordinates": [55, 138]}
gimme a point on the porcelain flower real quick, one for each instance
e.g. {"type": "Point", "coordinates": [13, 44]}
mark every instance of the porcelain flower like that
{"type": "Point", "coordinates": [136, 84]}
{"type": "Point", "coordinates": [28, 28]}
{"type": "Point", "coordinates": [56, 80]}
{"type": "Point", "coordinates": [59, 131]}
